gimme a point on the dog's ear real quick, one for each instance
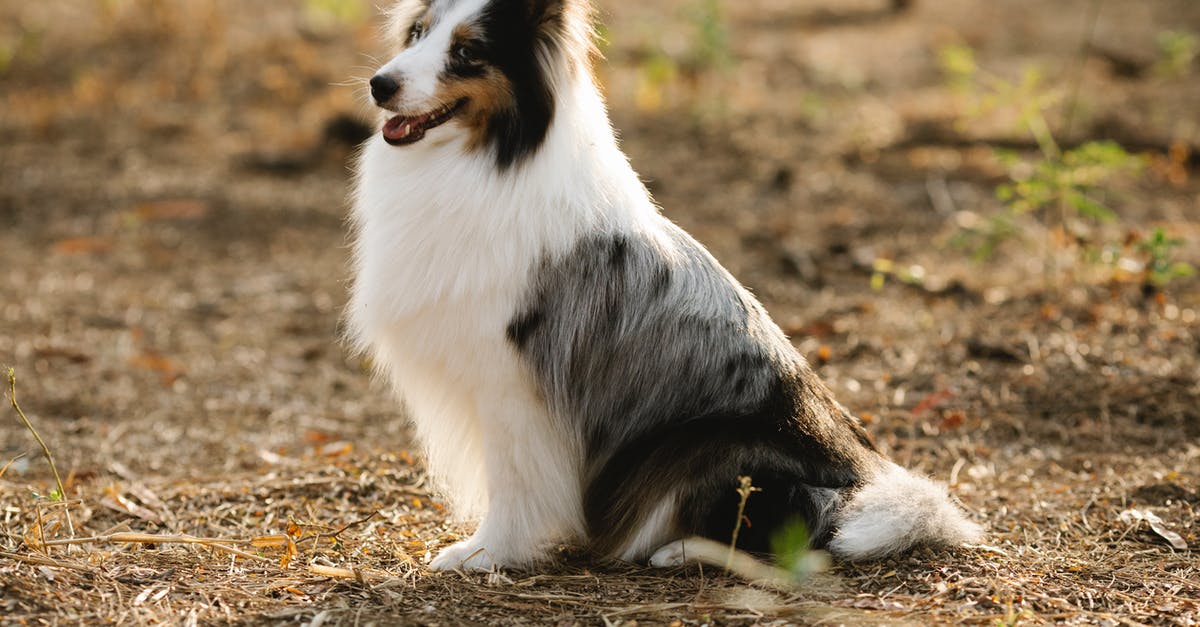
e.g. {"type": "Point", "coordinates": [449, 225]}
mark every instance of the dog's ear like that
{"type": "Point", "coordinates": [548, 16]}
{"type": "Point", "coordinates": [400, 17]}
{"type": "Point", "coordinates": [565, 23]}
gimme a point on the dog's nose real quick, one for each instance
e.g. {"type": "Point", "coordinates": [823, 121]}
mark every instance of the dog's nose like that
{"type": "Point", "coordinates": [383, 88]}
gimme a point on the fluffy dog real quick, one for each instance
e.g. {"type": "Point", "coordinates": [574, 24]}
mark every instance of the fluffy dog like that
{"type": "Point", "coordinates": [577, 367]}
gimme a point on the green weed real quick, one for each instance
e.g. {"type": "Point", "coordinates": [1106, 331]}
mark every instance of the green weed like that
{"type": "Point", "coordinates": [1177, 51]}
{"type": "Point", "coordinates": [710, 39]}
{"type": "Point", "coordinates": [1159, 254]}
{"type": "Point", "coordinates": [792, 552]}
{"type": "Point", "coordinates": [336, 12]}
{"type": "Point", "coordinates": [707, 53]}
{"type": "Point", "coordinates": [1066, 190]}
{"type": "Point", "coordinates": [24, 43]}
{"type": "Point", "coordinates": [1076, 179]}
{"type": "Point", "coordinates": [883, 269]}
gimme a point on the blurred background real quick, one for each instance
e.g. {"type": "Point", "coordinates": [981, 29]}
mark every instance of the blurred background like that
{"type": "Point", "coordinates": [979, 219]}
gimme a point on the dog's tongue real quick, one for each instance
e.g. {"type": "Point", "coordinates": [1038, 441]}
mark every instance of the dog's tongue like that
{"type": "Point", "coordinates": [402, 128]}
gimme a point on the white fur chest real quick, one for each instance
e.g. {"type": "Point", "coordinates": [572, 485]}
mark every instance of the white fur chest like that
{"type": "Point", "coordinates": [441, 247]}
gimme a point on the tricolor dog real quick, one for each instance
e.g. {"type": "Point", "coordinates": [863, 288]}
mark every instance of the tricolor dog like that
{"type": "Point", "coordinates": [578, 368]}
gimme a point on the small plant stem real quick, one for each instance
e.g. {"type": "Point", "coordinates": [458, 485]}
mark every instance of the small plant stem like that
{"type": "Point", "coordinates": [745, 489]}
{"type": "Point", "coordinates": [1035, 121]}
{"type": "Point", "coordinates": [354, 524]}
{"type": "Point", "coordinates": [1085, 47]}
{"type": "Point", "coordinates": [12, 396]}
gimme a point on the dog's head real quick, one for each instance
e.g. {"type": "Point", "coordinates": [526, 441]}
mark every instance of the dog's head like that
{"type": "Point", "coordinates": [483, 70]}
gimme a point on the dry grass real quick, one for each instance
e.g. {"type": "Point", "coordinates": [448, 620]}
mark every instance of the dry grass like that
{"type": "Point", "coordinates": [346, 543]}
{"type": "Point", "coordinates": [344, 540]}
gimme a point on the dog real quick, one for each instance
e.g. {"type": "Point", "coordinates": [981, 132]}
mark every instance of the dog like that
{"type": "Point", "coordinates": [579, 369]}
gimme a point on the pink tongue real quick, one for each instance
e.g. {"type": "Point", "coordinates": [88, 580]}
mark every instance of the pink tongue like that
{"type": "Point", "coordinates": [394, 128]}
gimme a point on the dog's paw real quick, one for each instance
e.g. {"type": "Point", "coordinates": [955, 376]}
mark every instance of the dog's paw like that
{"type": "Point", "coordinates": [669, 555]}
{"type": "Point", "coordinates": [468, 555]}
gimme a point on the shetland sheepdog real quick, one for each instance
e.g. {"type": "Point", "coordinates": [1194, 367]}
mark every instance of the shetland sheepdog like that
{"type": "Point", "coordinates": [579, 369]}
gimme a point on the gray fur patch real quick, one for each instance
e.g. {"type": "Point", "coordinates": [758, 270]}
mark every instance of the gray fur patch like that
{"type": "Point", "coordinates": [675, 382]}
{"type": "Point", "coordinates": [632, 331]}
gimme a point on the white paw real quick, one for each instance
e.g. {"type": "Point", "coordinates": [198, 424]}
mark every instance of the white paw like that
{"type": "Point", "coordinates": [468, 555]}
{"type": "Point", "coordinates": [669, 555]}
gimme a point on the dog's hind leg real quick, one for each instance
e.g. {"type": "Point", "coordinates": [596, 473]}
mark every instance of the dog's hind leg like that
{"type": "Point", "coordinates": [696, 467]}
{"type": "Point", "coordinates": [657, 527]}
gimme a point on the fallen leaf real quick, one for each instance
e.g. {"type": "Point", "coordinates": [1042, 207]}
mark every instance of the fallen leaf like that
{"type": "Point", "coordinates": [817, 329]}
{"type": "Point", "coordinates": [169, 370]}
{"type": "Point", "coordinates": [1156, 525]}
{"type": "Point", "coordinates": [931, 401]}
{"type": "Point", "coordinates": [115, 501]}
{"type": "Point", "coordinates": [334, 449]}
{"type": "Point", "coordinates": [952, 419]}
{"type": "Point", "coordinates": [83, 245]}
{"type": "Point", "coordinates": [316, 437]}
{"type": "Point", "coordinates": [289, 553]}
{"type": "Point", "coordinates": [171, 210]}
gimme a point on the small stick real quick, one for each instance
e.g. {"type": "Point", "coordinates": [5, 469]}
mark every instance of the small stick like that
{"type": "Point", "coordinates": [62, 492]}
{"type": "Point", "coordinates": [354, 524]}
{"type": "Point", "coordinates": [149, 538]}
{"type": "Point", "coordinates": [333, 571]}
{"type": "Point", "coordinates": [744, 491]}
{"type": "Point", "coordinates": [12, 396]}
{"type": "Point", "coordinates": [10, 463]}
{"type": "Point", "coordinates": [45, 561]}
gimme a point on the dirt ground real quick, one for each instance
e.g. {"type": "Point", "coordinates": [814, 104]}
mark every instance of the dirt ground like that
{"type": "Point", "coordinates": [173, 263]}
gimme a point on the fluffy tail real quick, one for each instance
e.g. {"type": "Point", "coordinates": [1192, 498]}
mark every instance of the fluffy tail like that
{"type": "Point", "coordinates": [896, 511]}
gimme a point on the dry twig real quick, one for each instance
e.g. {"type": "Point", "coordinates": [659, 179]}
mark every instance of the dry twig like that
{"type": "Point", "coordinates": [744, 491]}
{"type": "Point", "coordinates": [12, 397]}
{"type": "Point", "coordinates": [221, 544]}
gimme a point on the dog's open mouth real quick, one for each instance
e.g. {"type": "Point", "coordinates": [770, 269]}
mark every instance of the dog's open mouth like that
{"type": "Point", "coordinates": [403, 130]}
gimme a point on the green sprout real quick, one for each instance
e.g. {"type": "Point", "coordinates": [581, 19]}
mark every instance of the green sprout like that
{"type": "Point", "coordinates": [1177, 51]}
{"type": "Point", "coordinates": [1159, 251]}
{"type": "Point", "coordinates": [1059, 186]}
{"type": "Point", "coordinates": [792, 553]}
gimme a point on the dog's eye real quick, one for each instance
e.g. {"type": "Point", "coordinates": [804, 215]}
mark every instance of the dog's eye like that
{"type": "Point", "coordinates": [464, 54]}
{"type": "Point", "coordinates": [418, 30]}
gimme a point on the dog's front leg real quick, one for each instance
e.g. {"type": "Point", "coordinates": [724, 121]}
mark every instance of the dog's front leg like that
{"type": "Point", "coordinates": [532, 481]}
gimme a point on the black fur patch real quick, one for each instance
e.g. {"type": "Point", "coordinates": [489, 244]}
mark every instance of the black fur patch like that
{"type": "Point", "coordinates": [513, 34]}
{"type": "Point", "coordinates": [661, 281]}
{"type": "Point", "coordinates": [522, 327]}
{"type": "Point", "coordinates": [699, 460]}
{"type": "Point", "coordinates": [459, 69]}
{"type": "Point", "coordinates": [617, 252]}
